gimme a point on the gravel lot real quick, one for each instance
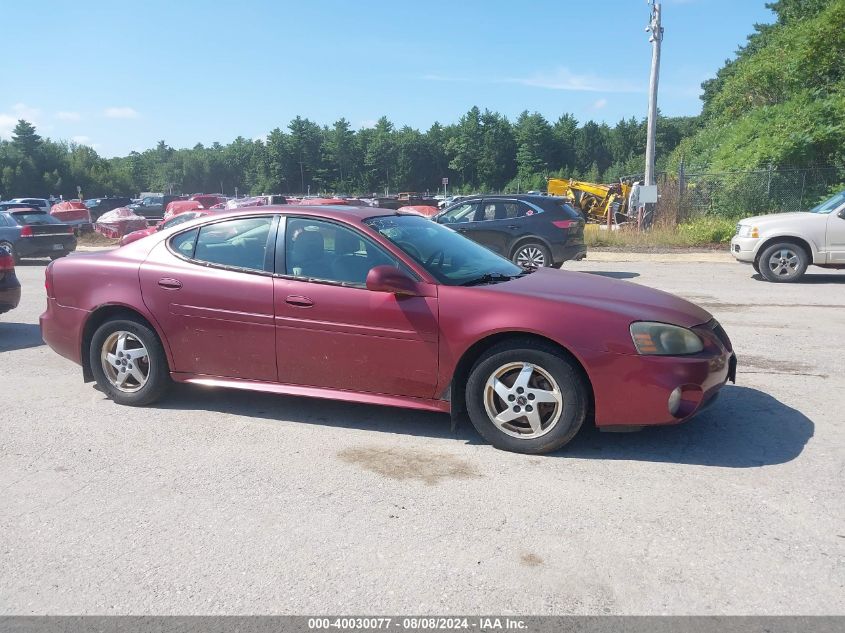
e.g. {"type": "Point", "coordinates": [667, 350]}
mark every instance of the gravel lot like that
{"type": "Point", "coordinates": [230, 502]}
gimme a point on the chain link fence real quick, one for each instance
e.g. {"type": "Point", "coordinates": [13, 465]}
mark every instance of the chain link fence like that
{"type": "Point", "coordinates": [685, 195]}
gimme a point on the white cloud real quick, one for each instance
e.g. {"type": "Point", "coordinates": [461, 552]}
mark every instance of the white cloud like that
{"type": "Point", "coordinates": [81, 139]}
{"type": "Point", "coordinates": [23, 111]}
{"type": "Point", "coordinates": [122, 112]}
{"type": "Point", "coordinates": [7, 124]}
{"type": "Point", "coordinates": [559, 79]}
{"type": "Point", "coordinates": [599, 104]}
{"type": "Point", "coordinates": [68, 116]}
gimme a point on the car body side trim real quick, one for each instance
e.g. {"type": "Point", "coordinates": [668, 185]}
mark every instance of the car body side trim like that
{"type": "Point", "coordinates": [406, 402]}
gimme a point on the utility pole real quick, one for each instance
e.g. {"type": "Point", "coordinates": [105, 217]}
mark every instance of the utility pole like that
{"type": "Point", "coordinates": [654, 27]}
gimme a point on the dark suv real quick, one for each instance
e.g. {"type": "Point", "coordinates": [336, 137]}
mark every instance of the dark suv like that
{"type": "Point", "coordinates": [531, 231]}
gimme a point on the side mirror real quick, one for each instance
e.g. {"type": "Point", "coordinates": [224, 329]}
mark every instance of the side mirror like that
{"type": "Point", "coordinates": [391, 279]}
{"type": "Point", "coordinates": [841, 214]}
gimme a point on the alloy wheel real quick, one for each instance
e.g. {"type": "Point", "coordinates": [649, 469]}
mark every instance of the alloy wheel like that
{"type": "Point", "coordinates": [125, 361]}
{"type": "Point", "coordinates": [784, 263]}
{"type": "Point", "coordinates": [530, 257]}
{"type": "Point", "coordinates": [523, 400]}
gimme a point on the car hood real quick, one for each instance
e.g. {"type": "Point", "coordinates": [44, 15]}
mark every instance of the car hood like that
{"type": "Point", "coordinates": [629, 300]}
{"type": "Point", "coordinates": [784, 218]}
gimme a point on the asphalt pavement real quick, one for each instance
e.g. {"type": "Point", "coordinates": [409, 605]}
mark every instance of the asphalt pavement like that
{"type": "Point", "coordinates": [223, 502]}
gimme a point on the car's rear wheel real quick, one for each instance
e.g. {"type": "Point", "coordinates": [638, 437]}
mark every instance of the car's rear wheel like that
{"type": "Point", "coordinates": [11, 249]}
{"type": "Point", "coordinates": [128, 362]}
{"type": "Point", "coordinates": [783, 262]}
{"type": "Point", "coordinates": [526, 400]}
{"type": "Point", "coordinates": [532, 255]}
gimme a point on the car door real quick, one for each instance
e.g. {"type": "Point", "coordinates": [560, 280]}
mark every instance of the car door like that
{"type": "Point", "coordinates": [499, 224]}
{"type": "Point", "coordinates": [211, 291]}
{"type": "Point", "coordinates": [836, 236]}
{"type": "Point", "coordinates": [332, 332]}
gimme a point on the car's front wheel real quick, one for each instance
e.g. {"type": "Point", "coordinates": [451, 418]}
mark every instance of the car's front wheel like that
{"type": "Point", "coordinates": [783, 262]}
{"type": "Point", "coordinates": [11, 249]}
{"type": "Point", "coordinates": [128, 362]}
{"type": "Point", "coordinates": [526, 399]}
{"type": "Point", "coordinates": [532, 255]}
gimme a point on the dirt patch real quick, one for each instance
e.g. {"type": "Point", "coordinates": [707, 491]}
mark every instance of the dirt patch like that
{"type": "Point", "coordinates": [396, 463]}
{"type": "Point", "coordinates": [530, 560]}
{"type": "Point", "coordinates": [95, 239]}
{"type": "Point", "coordinates": [771, 366]}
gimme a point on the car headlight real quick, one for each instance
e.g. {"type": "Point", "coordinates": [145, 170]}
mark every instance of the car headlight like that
{"type": "Point", "coordinates": [662, 339]}
{"type": "Point", "coordinates": [747, 230]}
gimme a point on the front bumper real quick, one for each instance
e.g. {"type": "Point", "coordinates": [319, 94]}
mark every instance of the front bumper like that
{"type": "Point", "coordinates": [743, 248]}
{"type": "Point", "coordinates": [635, 389]}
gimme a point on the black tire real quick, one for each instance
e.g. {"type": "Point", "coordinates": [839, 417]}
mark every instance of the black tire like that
{"type": "Point", "coordinates": [11, 248]}
{"type": "Point", "coordinates": [531, 252]}
{"type": "Point", "coordinates": [158, 374]}
{"type": "Point", "coordinates": [756, 266]}
{"type": "Point", "coordinates": [783, 262]}
{"type": "Point", "coordinates": [568, 417]}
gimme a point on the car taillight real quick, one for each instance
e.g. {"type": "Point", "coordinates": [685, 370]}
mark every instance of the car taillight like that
{"type": "Point", "coordinates": [48, 280]}
{"type": "Point", "coordinates": [69, 230]}
{"type": "Point", "coordinates": [564, 224]}
{"type": "Point", "coordinates": [7, 262]}
{"type": "Point", "coordinates": [26, 231]}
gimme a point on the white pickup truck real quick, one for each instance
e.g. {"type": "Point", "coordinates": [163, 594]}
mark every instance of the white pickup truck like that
{"type": "Point", "coordinates": [781, 246]}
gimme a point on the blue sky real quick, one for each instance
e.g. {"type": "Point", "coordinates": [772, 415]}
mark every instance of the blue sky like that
{"type": "Point", "coordinates": [121, 75]}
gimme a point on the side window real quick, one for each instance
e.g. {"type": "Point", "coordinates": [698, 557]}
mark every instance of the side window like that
{"type": "Point", "coordinates": [183, 243]}
{"type": "Point", "coordinates": [466, 212]}
{"type": "Point", "coordinates": [3, 221]}
{"type": "Point", "coordinates": [241, 243]}
{"type": "Point", "coordinates": [524, 210]}
{"type": "Point", "coordinates": [315, 249]}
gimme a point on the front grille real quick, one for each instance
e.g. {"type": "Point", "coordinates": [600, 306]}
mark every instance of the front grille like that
{"type": "Point", "coordinates": [738, 227]}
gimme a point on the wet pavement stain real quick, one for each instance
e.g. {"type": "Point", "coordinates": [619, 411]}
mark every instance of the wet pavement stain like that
{"type": "Point", "coordinates": [530, 560]}
{"type": "Point", "coordinates": [769, 365]}
{"type": "Point", "coordinates": [397, 463]}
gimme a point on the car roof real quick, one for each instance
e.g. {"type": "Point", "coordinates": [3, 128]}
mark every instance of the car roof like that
{"type": "Point", "coordinates": [338, 212]}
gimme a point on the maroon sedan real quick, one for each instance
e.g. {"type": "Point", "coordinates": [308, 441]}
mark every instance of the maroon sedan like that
{"type": "Point", "coordinates": [370, 305]}
{"type": "Point", "coordinates": [165, 224]}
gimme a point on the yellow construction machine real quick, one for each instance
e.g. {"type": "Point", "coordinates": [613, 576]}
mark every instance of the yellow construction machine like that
{"type": "Point", "coordinates": [594, 200]}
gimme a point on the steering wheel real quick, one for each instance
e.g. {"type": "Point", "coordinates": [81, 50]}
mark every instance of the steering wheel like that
{"type": "Point", "coordinates": [412, 250]}
{"type": "Point", "coordinates": [438, 253]}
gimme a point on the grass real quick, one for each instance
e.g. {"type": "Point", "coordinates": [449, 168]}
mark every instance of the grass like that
{"type": "Point", "coordinates": [95, 239]}
{"type": "Point", "coordinates": [701, 232]}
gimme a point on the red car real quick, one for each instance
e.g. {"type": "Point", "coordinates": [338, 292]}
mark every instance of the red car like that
{"type": "Point", "coordinates": [167, 223]}
{"type": "Point", "coordinates": [377, 306]}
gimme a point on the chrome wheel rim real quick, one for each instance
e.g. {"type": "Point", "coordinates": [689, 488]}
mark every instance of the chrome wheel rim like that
{"type": "Point", "coordinates": [125, 361]}
{"type": "Point", "coordinates": [784, 262]}
{"type": "Point", "coordinates": [523, 400]}
{"type": "Point", "coordinates": [530, 257]}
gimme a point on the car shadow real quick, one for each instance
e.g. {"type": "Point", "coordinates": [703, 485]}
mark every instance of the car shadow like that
{"type": "Point", "coordinates": [613, 274]}
{"type": "Point", "coordinates": [813, 278]}
{"type": "Point", "coordinates": [14, 336]}
{"type": "Point", "coordinates": [744, 428]}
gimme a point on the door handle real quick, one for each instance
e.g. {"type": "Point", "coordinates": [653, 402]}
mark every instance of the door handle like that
{"type": "Point", "coordinates": [513, 226]}
{"type": "Point", "coordinates": [299, 301]}
{"type": "Point", "coordinates": [170, 284]}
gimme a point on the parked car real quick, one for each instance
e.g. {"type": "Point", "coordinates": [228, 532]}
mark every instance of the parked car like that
{"type": "Point", "coordinates": [10, 287]}
{"type": "Point", "coordinates": [35, 233]}
{"type": "Point", "coordinates": [35, 203]}
{"type": "Point", "coordinates": [208, 200]}
{"type": "Point", "coordinates": [781, 246]}
{"type": "Point", "coordinates": [152, 207]}
{"type": "Point", "coordinates": [532, 231]}
{"type": "Point", "coordinates": [99, 206]}
{"type": "Point", "coordinates": [175, 220]}
{"type": "Point", "coordinates": [74, 213]}
{"type": "Point", "coordinates": [367, 305]}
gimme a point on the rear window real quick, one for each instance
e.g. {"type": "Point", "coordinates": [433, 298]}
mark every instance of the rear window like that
{"type": "Point", "coordinates": [569, 210]}
{"type": "Point", "coordinates": [34, 217]}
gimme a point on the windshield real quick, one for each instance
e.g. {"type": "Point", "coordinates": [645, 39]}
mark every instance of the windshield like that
{"type": "Point", "coordinates": [451, 258]}
{"type": "Point", "coordinates": [830, 204]}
